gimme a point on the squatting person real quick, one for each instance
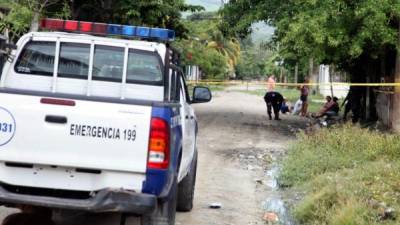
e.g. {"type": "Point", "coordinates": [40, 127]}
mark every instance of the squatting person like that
{"type": "Point", "coordinates": [273, 100]}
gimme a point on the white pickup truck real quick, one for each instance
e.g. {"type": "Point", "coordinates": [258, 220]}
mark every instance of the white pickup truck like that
{"type": "Point", "coordinates": [98, 124]}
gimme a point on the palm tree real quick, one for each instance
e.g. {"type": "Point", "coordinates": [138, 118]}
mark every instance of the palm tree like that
{"type": "Point", "coordinates": [229, 48]}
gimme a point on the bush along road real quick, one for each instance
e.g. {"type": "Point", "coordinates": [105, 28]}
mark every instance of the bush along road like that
{"type": "Point", "coordinates": [348, 175]}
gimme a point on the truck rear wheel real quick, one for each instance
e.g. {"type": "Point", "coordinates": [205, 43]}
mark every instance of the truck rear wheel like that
{"type": "Point", "coordinates": [165, 212]}
{"type": "Point", "coordinates": [186, 189]}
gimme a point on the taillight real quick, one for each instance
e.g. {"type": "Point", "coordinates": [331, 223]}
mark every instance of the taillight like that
{"type": "Point", "coordinates": [54, 101]}
{"type": "Point", "coordinates": [159, 151]}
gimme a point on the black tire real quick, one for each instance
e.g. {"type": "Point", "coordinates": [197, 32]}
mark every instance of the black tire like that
{"type": "Point", "coordinates": [165, 212]}
{"type": "Point", "coordinates": [186, 189]}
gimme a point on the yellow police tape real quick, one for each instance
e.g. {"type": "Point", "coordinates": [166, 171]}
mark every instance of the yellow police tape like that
{"type": "Point", "coordinates": [209, 82]}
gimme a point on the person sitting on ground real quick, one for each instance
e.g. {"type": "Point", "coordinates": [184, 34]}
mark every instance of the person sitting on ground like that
{"type": "Point", "coordinates": [285, 108]}
{"type": "Point", "coordinates": [273, 100]}
{"type": "Point", "coordinates": [330, 108]}
{"type": "Point", "coordinates": [334, 110]}
{"type": "Point", "coordinates": [297, 107]}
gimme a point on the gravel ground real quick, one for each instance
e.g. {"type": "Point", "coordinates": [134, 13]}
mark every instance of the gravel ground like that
{"type": "Point", "coordinates": [237, 145]}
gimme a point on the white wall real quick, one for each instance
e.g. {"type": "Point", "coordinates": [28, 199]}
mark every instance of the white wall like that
{"type": "Point", "coordinates": [192, 73]}
{"type": "Point", "coordinates": [339, 91]}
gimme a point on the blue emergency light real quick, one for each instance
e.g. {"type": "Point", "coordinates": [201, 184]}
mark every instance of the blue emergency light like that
{"type": "Point", "coordinates": [147, 33]}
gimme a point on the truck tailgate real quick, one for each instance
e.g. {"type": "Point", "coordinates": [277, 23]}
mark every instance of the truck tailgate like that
{"type": "Point", "coordinates": [88, 134]}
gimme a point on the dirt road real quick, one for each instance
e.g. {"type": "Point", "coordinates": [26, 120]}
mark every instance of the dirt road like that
{"type": "Point", "coordinates": [236, 144]}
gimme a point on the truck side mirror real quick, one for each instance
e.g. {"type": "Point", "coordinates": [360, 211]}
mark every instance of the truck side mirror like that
{"type": "Point", "coordinates": [201, 94]}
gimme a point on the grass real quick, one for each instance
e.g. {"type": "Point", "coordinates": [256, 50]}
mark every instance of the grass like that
{"type": "Point", "coordinates": [348, 175]}
{"type": "Point", "coordinates": [292, 95]}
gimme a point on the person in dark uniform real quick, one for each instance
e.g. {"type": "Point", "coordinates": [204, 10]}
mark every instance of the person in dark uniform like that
{"type": "Point", "coordinates": [274, 101]}
{"type": "Point", "coordinates": [353, 103]}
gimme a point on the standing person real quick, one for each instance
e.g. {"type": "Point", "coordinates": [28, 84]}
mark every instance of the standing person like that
{"type": "Point", "coordinates": [273, 100]}
{"type": "Point", "coordinates": [271, 83]}
{"type": "Point", "coordinates": [304, 90]}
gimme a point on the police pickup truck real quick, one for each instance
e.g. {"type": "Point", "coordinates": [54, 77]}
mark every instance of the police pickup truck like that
{"type": "Point", "coordinates": [96, 123]}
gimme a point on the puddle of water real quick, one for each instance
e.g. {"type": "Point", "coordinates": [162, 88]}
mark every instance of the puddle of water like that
{"type": "Point", "coordinates": [274, 202]}
{"type": "Point", "coordinates": [276, 205]}
{"type": "Point", "coordinates": [271, 179]}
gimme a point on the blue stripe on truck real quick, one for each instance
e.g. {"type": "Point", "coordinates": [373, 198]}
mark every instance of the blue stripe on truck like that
{"type": "Point", "coordinates": [159, 182]}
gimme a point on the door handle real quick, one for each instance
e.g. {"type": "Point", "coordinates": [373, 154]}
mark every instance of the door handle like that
{"type": "Point", "coordinates": [56, 119]}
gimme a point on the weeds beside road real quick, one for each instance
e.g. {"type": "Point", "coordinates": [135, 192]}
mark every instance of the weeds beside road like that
{"type": "Point", "coordinates": [345, 175]}
{"type": "Point", "coordinates": [349, 175]}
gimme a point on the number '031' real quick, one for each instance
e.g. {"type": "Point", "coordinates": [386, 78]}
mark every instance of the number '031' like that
{"type": "Point", "coordinates": [6, 127]}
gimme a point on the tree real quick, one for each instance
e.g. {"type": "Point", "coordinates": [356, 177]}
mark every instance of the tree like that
{"type": "Point", "coordinates": [227, 47]}
{"type": "Point", "coordinates": [216, 54]}
{"type": "Point", "coordinates": [154, 13]}
{"type": "Point", "coordinates": [256, 61]}
{"type": "Point", "coordinates": [357, 36]}
{"type": "Point", "coordinates": [195, 47]}
{"type": "Point", "coordinates": [339, 32]}
{"type": "Point", "coordinates": [24, 15]}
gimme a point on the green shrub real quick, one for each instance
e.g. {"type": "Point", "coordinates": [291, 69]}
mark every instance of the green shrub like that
{"type": "Point", "coordinates": [349, 176]}
{"type": "Point", "coordinates": [356, 196]}
{"type": "Point", "coordinates": [333, 149]}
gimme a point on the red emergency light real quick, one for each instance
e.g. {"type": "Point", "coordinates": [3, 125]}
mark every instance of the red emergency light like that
{"type": "Point", "coordinates": [108, 29]}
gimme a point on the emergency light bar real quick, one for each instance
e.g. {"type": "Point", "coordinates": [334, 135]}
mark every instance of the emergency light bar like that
{"type": "Point", "coordinates": [108, 29]}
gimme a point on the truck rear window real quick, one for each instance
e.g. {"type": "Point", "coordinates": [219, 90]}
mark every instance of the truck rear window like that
{"type": "Point", "coordinates": [108, 63]}
{"type": "Point", "coordinates": [37, 58]}
{"type": "Point", "coordinates": [74, 60]}
{"type": "Point", "coordinates": [143, 66]}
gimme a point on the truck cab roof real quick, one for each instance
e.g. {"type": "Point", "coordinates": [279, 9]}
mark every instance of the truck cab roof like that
{"type": "Point", "coordinates": [89, 65]}
{"type": "Point", "coordinates": [158, 47]}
